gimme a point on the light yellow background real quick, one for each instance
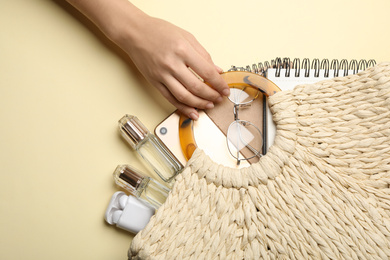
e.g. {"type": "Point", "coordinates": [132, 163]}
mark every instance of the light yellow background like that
{"type": "Point", "coordinates": [63, 87]}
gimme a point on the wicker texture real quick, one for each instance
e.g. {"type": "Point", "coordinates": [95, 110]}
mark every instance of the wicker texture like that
{"type": "Point", "coordinates": [321, 192]}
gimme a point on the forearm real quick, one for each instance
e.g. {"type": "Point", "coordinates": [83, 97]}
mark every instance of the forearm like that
{"type": "Point", "coordinates": [161, 51]}
{"type": "Point", "coordinates": [115, 18]}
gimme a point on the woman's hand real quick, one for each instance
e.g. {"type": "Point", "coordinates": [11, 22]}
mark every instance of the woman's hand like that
{"type": "Point", "coordinates": [170, 58]}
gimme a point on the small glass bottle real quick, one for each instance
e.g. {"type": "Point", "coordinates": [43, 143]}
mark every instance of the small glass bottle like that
{"type": "Point", "coordinates": [162, 161]}
{"type": "Point", "coordinates": [141, 187]}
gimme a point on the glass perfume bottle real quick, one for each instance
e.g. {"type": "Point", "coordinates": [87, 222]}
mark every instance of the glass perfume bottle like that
{"type": "Point", "coordinates": [162, 161]}
{"type": "Point", "coordinates": [141, 187]}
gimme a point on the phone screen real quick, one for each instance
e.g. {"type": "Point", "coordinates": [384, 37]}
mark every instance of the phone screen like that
{"type": "Point", "coordinates": [207, 135]}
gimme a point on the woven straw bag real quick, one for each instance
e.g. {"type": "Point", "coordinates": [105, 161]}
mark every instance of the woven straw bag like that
{"type": "Point", "coordinates": [321, 192]}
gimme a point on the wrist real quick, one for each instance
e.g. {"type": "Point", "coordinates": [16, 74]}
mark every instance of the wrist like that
{"type": "Point", "coordinates": [125, 24]}
{"type": "Point", "coordinates": [117, 19]}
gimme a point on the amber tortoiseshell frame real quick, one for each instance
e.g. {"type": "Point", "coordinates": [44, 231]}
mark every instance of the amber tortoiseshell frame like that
{"type": "Point", "coordinates": [233, 79]}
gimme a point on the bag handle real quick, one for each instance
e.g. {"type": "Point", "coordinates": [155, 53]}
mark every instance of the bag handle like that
{"type": "Point", "coordinates": [234, 79]}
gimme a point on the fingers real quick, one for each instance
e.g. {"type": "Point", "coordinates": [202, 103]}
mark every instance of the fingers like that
{"type": "Point", "coordinates": [196, 86]}
{"type": "Point", "coordinates": [219, 70]}
{"type": "Point", "coordinates": [205, 68]}
{"type": "Point", "coordinates": [187, 92]}
{"type": "Point", "coordinates": [189, 111]}
{"type": "Point", "coordinates": [209, 73]}
{"type": "Point", "coordinates": [169, 70]}
{"type": "Point", "coordinates": [183, 95]}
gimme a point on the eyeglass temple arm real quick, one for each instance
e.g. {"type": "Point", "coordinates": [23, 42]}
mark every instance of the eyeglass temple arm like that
{"type": "Point", "coordinates": [186, 133]}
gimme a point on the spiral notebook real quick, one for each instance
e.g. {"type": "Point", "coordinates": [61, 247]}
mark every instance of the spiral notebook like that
{"type": "Point", "coordinates": [287, 74]}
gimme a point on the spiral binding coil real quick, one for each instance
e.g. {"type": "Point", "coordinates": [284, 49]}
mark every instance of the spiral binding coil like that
{"type": "Point", "coordinates": [305, 66]}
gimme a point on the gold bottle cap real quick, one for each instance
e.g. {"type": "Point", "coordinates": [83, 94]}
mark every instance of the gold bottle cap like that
{"type": "Point", "coordinates": [132, 130]}
{"type": "Point", "coordinates": [128, 178]}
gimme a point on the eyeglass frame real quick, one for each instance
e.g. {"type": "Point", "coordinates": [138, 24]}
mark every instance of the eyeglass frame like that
{"type": "Point", "coordinates": [186, 133]}
{"type": "Point", "coordinates": [236, 107]}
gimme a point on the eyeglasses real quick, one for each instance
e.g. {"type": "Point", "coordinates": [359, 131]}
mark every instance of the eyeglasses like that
{"type": "Point", "coordinates": [233, 78]}
{"type": "Point", "coordinates": [244, 139]}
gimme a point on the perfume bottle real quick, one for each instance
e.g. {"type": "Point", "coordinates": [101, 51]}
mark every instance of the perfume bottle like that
{"type": "Point", "coordinates": [141, 187]}
{"type": "Point", "coordinates": [161, 160]}
{"type": "Point", "coordinates": [128, 212]}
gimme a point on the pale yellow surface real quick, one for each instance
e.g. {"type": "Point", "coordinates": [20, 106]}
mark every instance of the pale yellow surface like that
{"type": "Point", "coordinates": [63, 87]}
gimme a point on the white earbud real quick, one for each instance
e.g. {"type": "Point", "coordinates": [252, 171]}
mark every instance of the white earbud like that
{"type": "Point", "coordinates": [123, 201]}
{"type": "Point", "coordinates": [116, 215]}
{"type": "Point", "coordinates": [128, 213]}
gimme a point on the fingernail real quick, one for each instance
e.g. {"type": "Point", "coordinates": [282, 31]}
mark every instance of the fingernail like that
{"type": "Point", "coordinates": [194, 116]}
{"type": "Point", "coordinates": [226, 92]}
{"type": "Point", "coordinates": [209, 105]}
{"type": "Point", "coordinates": [219, 99]}
{"type": "Point", "coordinates": [219, 69]}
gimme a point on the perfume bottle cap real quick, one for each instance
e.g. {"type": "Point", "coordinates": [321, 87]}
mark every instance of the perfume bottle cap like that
{"type": "Point", "coordinates": [132, 130]}
{"type": "Point", "coordinates": [128, 178]}
{"type": "Point", "coordinates": [128, 213]}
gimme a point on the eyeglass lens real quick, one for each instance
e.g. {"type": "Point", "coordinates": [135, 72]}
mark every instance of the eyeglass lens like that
{"type": "Point", "coordinates": [244, 139]}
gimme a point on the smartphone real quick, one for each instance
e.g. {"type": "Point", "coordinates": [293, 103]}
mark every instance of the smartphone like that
{"type": "Point", "coordinates": [208, 137]}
